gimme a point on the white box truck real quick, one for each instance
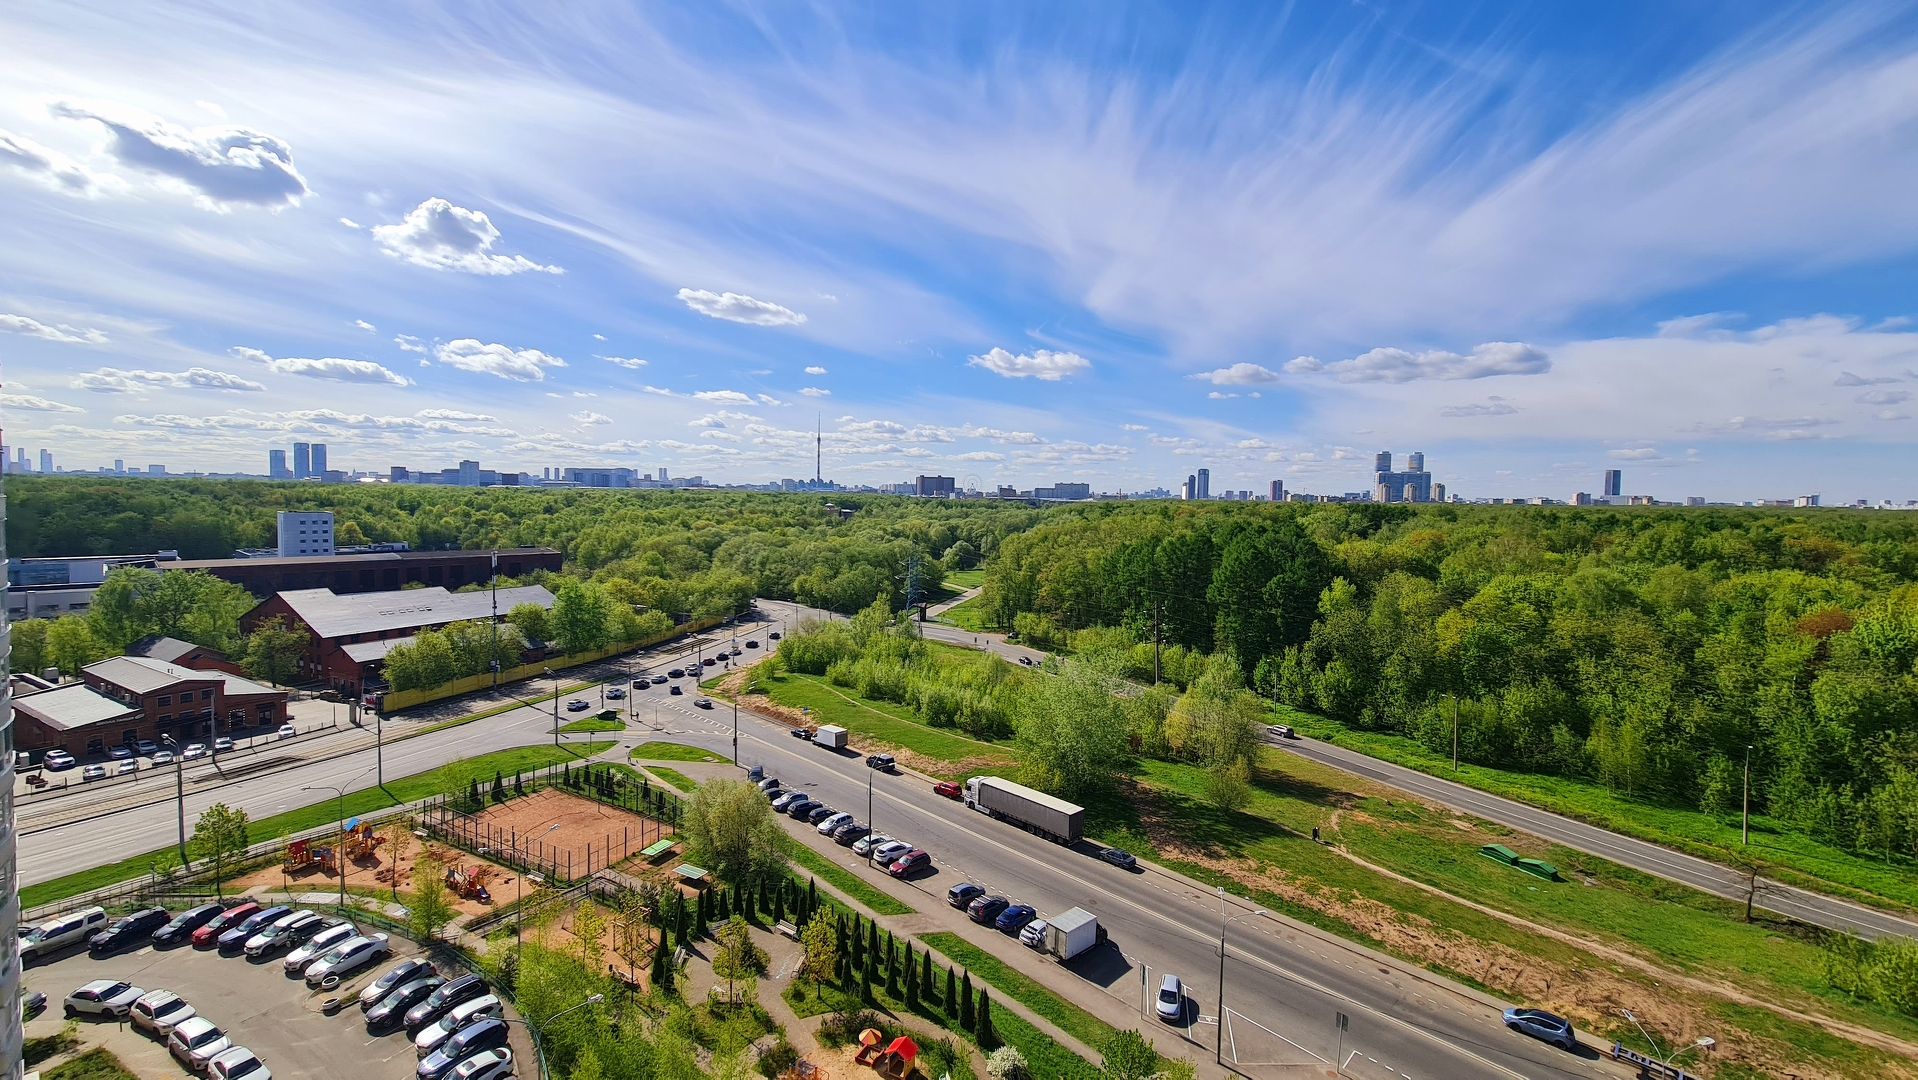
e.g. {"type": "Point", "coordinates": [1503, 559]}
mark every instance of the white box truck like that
{"type": "Point", "coordinates": [1073, 932]}
{"type": "Point", "coordinates": [1053, 818]}
{"type": "Point", "coordinates": [832, 737]}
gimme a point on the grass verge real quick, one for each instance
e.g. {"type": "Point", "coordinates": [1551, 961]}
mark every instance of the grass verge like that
{"type": "Point", "coordinates": [674, 777]}
{"type": "Point", "coordinates": [970, 615]}
{"type": "Point", "coordinates": [893, 724]}
{"type": "Point", "coordinates": [1071, 1019]}
{"type": "Point", "coordinates": [847, 882]}
{"type": "Point", "coordinates": [672, 751]}
{"type": "Point", "coordinates": [96, 1064]}
{"type": "Point", "coordinates": [454, 775]}
{"type": "Point", "coordinates": [594, 723]}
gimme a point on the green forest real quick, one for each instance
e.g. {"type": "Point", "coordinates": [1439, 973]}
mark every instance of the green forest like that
{"type": "Point", "coordinates": [1644, 650]}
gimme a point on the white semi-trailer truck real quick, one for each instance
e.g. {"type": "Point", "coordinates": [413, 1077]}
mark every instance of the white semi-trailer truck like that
{"type": "Point", "coordinates": [1035, 811]}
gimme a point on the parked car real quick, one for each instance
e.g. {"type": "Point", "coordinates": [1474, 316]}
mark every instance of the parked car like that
{"type": "Point", "coordinates": [286, 731]}
{"type": "Point", "coordinates": [93, 772]}
{"type": "Point", "coordinates": [185, 923]}
{"type": "Point", "coordinates": [578, 704]}
{"type": "Point", "coordinates": [233, 939]}
{"type": "Point", "coordinates": [964, 893]}
{"type": "Point", "coordinates": [235, 1063]}
{"type": "Point", "coordinates": [127, 930]}
{"type": "Point", "coordinates": [403, 972]}
{"type": "Point", "coordinates": [1026, 660]}
{"type": "Point", "coordinates": [819, 814]}
{"type": "Point", "coordinates": [703, 703]}
{"type": "Point", "coordinates": [801, 808]}
{"type": "Point", "coordinates": [1125, 860]}
{"type": "Point", "coordinates": [347, 957]}
{"type": "Point", "coordinates": [282, 933]}
{"type": "Point", "coordinates": [787, 799]}
{"type": "Point", "coordinates": [1171, 1003]}
{"type": "Point", "coordinates": [676, 673]}
{"type": "Point", "coordinates": [210, 931]}
{"type": "Point", "coordinates": [1034, 935]}
{"type": "Point", "coordinates": [911, 863]}
{"type": "Point", "coordinates": [126, 768]}
{"type": "Point", "coordinates": [430, 1037]}
{"type": "Point", "coordinates": [318, 945]}
{"type": "Point", "coordinates": [882, 762]}
{"type": "Point", "coordinates": [801, 733]}
{"type": "Point", "coordinates": [1283, 731]}
{"type": "Point", "coordinates": [1014, 918]}
{"type": "Point", "coordinates": [488, 1034]}
{"type": "Point", "coordinates": [158, 1012]}
{"type": "Point", "coordinates": [104, 997]}
{"type": "Point", "coordinates": [220, 746]}
{"type": "Point", "coordinates": [987, 908]}
{"type": "Point", "coordinates": [831, 823]}
{"type": "Point", "coordinates": [162, 757]}
{"type": "Point", "coordinates": [197, 1041]}
{"type": "Point", "coordinates": [949, 789]}
{"type": "Point", "coordinates": [848, 834]}
{"type": "Point", "coordinates": [442, 1000]}
{"type": "Point", "coordinates": [769, 783]}
{"type": "Point", "coordinates": [872, 842]}
{"type": "Point", "coordinates": [391, 1009]}
{"type": "Point", "coordinates": [494, 1064]}
{"type": "Point", "coordinates": [32, 1004]}
{"type": "Point", "coordinates": [1540, 1024]}
{"type": "Point", "coordinates": [614, 693]}
{"type": "Point", "coordinates": [146, 747]}
{"type": "Point", "coordinates": [55, 934]}
{"type": "Point", "coordinates": [885, 853]}
{"type": "Point", "coordinates": [674, 689]}
{"type": "Point", "coordinates": [57, 761]}
{"type": "Point", "coordinates": [774, 793]}
{"type": "Point", "coordinates": [193, 752]}
{"type": "Point", "coordinates": [120, 753]}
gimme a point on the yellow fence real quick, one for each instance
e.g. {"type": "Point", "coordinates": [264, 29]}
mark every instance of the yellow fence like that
{"type": "Point", "coordinates": [406, 699]}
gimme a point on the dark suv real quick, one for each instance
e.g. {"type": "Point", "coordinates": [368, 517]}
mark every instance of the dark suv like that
{"type": "Point", "coordinates": [185, 923]}
{"type": "Point", "coordinates": [882, 762]}
{"type": "Point", "coordinates": [129, 930]}
{"type": "Point", "coordinates": [986, 909]}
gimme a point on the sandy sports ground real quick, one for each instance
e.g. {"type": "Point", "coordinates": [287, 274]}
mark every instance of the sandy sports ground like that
{"type": "Point", "coordinates": [569, 833]}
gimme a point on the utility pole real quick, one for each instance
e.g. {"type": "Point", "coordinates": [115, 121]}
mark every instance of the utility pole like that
{"type": "Point", "coordinates": [495, 587]}
{"type": "Point", "coordinates": [1745, 817]}
{"type": "Point", "coordinates": [1454, 732]}
{"type": "Point", "coordinates": [179, 795]}
{"type": "Point", "coordinates": [735, 727]}
{"type": "Point", "coordinates": [1155, 643]}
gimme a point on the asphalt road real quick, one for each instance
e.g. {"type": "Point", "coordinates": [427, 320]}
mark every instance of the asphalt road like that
{"type": "Point", "coordinates": [1699, 873]}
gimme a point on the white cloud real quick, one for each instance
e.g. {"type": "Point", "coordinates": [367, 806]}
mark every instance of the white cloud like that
{"type": "Point", "coordinates": [1638, 453]}
{"type": "Point", "coordinates": [740, 309]}
{"type": "Point", "coordinates": [222, 165]}
{"type": "Point", "coordinates": [409, 343]}
{"type": "Point", "coordinates": [977, 455]}
{"type": "Point", "coordinates": [351, 224]}
{"type": "Point", "coordinates": [1707, 325]}
{"type": "Point", "coordinates": [36, 404]}
{"type": "Point", "coordinates": [589, 418]}
{"type": "Point", "coordinates": [726, 397]}
{"type": "Point", "coordinates": [1017, 438]}
{"type": "Point", "coordinates": [20, 324]}
{"type": "Point", "coordinates": [1883, 397]}
{"type": "Point", "coordinates": [331, 368]}
{"type": "Point", "coordinates": [117, 381]}
{"type": "Point", "coordinates": [1493, 406]}
{"type": "Point", "coordinates": [442, 236]}
{"type": "Point", "coordinates": [599, 337]}
{"type": "Point", "coordinates": [212, 107]}
{"type": "Point", "coordinates": [51, 167]}
{"type": "Point", "coordinates": [1398, 366]}
{"type": "Point", "coordinates": [1846, 378]}
{"type": "Point", "coordinates": [814, 391]}
{"type": "Point", "coordinates": [1042, 364]}
{"type": "Point", "coordinates": [452, 414]}
{"type": "Point", "coordinates": [519, 365]}
{"type": "Point", "coordinates": [1216, 396]}
{"type": "Point", "coordinates": [1240, 374]}
{"type": "Point", "coordinates": [1304, 365]}
{"type": "Point", "coordinates": [815, 370]}
{"type": "Point", "coordinates": [1133, 427]}
{"type": "Point", "coordinates": [632, 362]}
{"type": "Point", "coordinates": [366, 326]}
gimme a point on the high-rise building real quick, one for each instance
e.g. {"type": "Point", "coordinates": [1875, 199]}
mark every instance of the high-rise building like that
{"type": "Point", "coordinates": [1204, 488]}
{"type": "Point", "coordinates": [119, 465]}
{"type": "Point", "coordinates": [276, 465]}
{"type": "Point", "coordinates": [11, 1035]}
{"type": "Point", "coordinates": [1614, 484]}
{"type": "Point", "coordinates": [1186, 489]}
{"type": "Point", "coordinates": [1413, 484]}
{"type": "Point", "coordinates": [1415, 462]}
{"type": "Point", "coordinates": [1278, 491]}
{"type": "Point", "coordinates": [933, 487]}
{"type": "Point", "coordinates": [46, 461]}
{"type": "Point", "coordinates": [1438, 492]}
{"type": "Point", "coordinates": [305, 533]}
{"type": "Point", "coordinates": [302, 461]}
{"type": "Point", "coordinates": [662, 474]}
{"type": "Point", "coordinates": [319, 461]}
{"type": "Point", "coordinates": [1382, 462]}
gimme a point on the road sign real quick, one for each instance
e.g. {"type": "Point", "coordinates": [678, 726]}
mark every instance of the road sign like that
{"type": "Point", "coordinates": [1343, 1021]}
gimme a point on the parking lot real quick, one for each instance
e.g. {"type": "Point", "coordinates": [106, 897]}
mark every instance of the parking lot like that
{"type": "Point", "coordinates": [254, 1002]}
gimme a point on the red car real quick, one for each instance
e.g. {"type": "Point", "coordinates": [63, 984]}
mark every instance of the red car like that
{"type": "Point", "coordinates": [911, 863]}
{"type": "Point", "coordinates": [227, 920]}
{"type": "Point", "coordinates": [949, 789]}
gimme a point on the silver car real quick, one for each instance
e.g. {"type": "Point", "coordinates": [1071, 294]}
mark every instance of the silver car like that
{"type": "Point", "coordinates": [196, 1042]}
{"type": "Point", "coordinates": [348, 956]}
{"type": "Point", "coordinates": [437, 1032]}
{"type": "Point", "coordinates": [297, 960]}
{"type": "Point", "coordinates": [1171, 1003]}
{"type": "Point", "coordinates": [827, 826]}
{"type": "Point", "coordinates": [160, 1012]}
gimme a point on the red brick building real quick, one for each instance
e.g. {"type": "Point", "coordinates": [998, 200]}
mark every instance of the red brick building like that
{"type": "Point", "coordinates": [382, 571]}
{"type": "Point", "coordinates": [124, 699]}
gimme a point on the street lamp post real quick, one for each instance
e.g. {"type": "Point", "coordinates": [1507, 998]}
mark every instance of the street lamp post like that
{"type": "Point", "coordinates": [339, 846]}
{"type": "Point", "coordinates": [1218, 1044]}
{"type": "Point", "coordinates": [179, 794]}
{"type": "Point", "coordinates": [539, 1049]}
{"type": "Point", "coordinates": [735, 729]}
{"type": "Point", "coordinates": [555, 676]}
{"type": "Point", "coordinates": [1745, 815]}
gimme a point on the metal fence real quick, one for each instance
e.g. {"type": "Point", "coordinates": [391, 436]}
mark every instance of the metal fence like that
{"type": "Point", "coordinates": [456, 820]}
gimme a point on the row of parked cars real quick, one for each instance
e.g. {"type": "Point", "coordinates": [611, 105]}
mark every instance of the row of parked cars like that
{"type": "Point", "coordinates": [458, 1026]}
{"type": "Point", "coordinates": [900, 858]}
{"type": "Point", "coordinates": [126, 758]}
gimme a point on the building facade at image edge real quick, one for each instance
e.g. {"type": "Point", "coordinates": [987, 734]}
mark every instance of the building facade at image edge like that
{"type": "Point", "coordinates": [11, 1034]}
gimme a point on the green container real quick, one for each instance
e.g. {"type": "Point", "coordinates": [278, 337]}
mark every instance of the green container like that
{"type": "Point", "coordinates": [1538, 868]}
{"type": "Point", "coordinates": [1499, 853]}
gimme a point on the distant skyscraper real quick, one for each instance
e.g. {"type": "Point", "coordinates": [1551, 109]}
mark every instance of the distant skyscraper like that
{"type": "Point", "coordinates": [1412, 485]}
{"type": "Point", "coordinates": [302, 461]}
{"type": "Point", "coordinates": [662, 474]}
{"type": "Point", "coordinates": [46, 461]}
{"type": "Point", "coordinates": [119, 465]}
{"type": "Point", "coordinates": [276, 465]}
{"type": "Point", "coordinates": [1204, 489]}
{"type": "Point", "coordinates": [1278, 491]}
{"type": "Point", "coordinates": [1382, 462]}
{"type": "Point", "coordinates": [319, 460]}
{"type": "Point", "coordinates": [1415, 462]}
{"type": "Point", "coordinates": [1614, 483]}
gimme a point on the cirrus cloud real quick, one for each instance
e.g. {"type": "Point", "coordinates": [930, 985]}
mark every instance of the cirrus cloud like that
{"type": "Point", "coordinates": [734, 307]}
{"type": "Point", "coordinates": [519, 365]}
{"type": "Point", "coordinates": [1042, 364]}
{"type": "Point", "coordinates": [438, 235]}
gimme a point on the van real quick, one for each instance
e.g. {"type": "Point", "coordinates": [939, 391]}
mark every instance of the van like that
{"type": "Point", "coordinates": [56, 934]}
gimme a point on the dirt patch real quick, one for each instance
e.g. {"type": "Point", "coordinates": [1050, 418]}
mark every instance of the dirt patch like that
{"type": "Point", "coordinates": [364, 878]}
{"type": "Point", "coordinates": [1591, 994]}
{"type": "Point", "coordinates": [570, 834]}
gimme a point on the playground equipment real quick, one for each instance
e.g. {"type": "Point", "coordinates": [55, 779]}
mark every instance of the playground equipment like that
{"type": "Point", "coordinates": [896, 1060]}
{"type": "Point", "coordinates": [470, 883]}
{"type": "Point", "coordinates": [299, 856]}
{"type": "Point", "coordinates": [360, 841]}
{"type": "Point", "coordinates": [868, 1046]}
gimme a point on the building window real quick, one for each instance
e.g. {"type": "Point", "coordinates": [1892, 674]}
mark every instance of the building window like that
{"type": "Point", "coordinates": [186, 696]}
{"type": "Point", "coordinates": [166, 699]}
{"type": "Point", "coordinates": [166, 718]}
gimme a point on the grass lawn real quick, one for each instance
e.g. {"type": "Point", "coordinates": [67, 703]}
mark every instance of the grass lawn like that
{"type": "Point", "coordinates": [96, 1064]}
{"type": "Point", "coordinates": [327, 810]}
{"type": "Point", "coordinates": [894, 724]}
{"type": "Point", "coordinates": [674, 777]}
{"type": "Point", "coordinates": [966, 579]}
{"type": "Point", "coordinates": [1788, 855]}
{"type": "Point", "coordinates": [970, 615]}
{"type": "Point", "coordinates": [672, 751]}
{"type": "Point", "coordinates": [847, 882]}
{"type": "Point", "coordinates": [1679, 928]}
{"type": "Point", "coordinates": [594, 723]}
{"type": "Point", "coordinates": [1071, 1019]}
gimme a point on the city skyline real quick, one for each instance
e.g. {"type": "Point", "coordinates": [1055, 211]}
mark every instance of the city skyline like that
{"type": "Point", "coordinates": [1650, 258]}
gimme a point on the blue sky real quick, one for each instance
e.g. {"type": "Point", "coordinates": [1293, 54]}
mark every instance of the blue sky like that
{"type": "Point", "coordinates": [1010, 243]}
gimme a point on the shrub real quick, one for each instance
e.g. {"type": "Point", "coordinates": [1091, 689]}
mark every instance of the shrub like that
{"type": "Point", "coordinates": [1007, 1063]}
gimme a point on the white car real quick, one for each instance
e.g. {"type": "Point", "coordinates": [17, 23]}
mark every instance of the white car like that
{"type": "Point", "coordinates": [1171, 1003]}
{"type": "Point", "coordinates": [489, 1065]}
{"type": "Point", "coordinates": [162, 757]}
{"type": "Point", "coordinates": [193, 752]}
{"type": "Point", "coordinates": [104, 997]}
{"type": "Point", "coordinates": [235, 1062]}
{"type": "Point", "coordinates": [160, 1012]}
{"type": "Point", "coordinates": [320, 944]}
{"type": "Point", "coordinates": [437, 1032]}
{"type": "Point", "coordinates": [196, 1041]}
{"type": "Point", "coordinates": [285, 928]}
{"type": "Point", "coordinates": [126, 767]}
{"type": "Point", "coordinates": [884, 854]}
{"type": "Point", "coordinates": [93, 772]}
{"type": "Point", "coordinates": [56, 934]}
{"type": "Point", "coordinates": [866, 846]}
{"type": "Point", "coordinates": [348, 956]}
{"type": "Point", "coordinates": [827, 826]}
{"type": "Point", "coordinates": [1034, 935]}
{"type": "Point", "coordinates": [287, 732]}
